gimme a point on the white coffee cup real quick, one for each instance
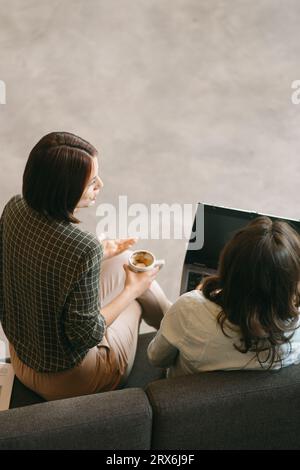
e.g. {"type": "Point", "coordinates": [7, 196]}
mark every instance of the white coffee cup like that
{"type": "Point", "coordinates": [143, 260]}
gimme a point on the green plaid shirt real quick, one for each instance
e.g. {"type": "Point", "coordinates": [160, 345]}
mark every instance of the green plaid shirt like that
{"type": "Point", "coordinates": [49, 288]}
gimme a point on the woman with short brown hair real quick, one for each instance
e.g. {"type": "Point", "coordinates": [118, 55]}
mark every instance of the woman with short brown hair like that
{"type": "Point", "coordinates": [69, 306]}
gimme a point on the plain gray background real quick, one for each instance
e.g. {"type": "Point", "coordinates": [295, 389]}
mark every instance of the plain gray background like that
{"type": "Point", "coordinates": [186, 100]}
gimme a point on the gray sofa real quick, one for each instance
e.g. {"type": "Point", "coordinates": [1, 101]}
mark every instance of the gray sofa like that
{"type": "Point", "coordinates": [213, 410]}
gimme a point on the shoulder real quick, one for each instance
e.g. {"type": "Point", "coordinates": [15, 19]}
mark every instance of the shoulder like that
{"type": "Point", "coordinates": [83, 244]}
{"type": "Point", "coordinates": [15, 199]}
{"type": "Point", "coordinates": [195, 298]}
{"type": "Point", "coordinates": [190, 314]}
{"type": "Point", "coordinates": [12, 210]}
{"type": "Point", "coordinates": [91, 246]}
{"type": "Point", "coordinates": [13, 202]}
{"type": "Point", "coordinates": [193, 307]}
{"type": "Point", "coordinates": [68, 239]}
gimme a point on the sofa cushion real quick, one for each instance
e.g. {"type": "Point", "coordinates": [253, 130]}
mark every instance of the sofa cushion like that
{"type": "Point", "coordinates": [143, 372]}
{"type": "Point", "coordinates": [121, 419]}
{"type": "Point", "coordinates": [227, 410]}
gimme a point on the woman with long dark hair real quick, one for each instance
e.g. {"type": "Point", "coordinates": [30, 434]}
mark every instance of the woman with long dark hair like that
{"type": "Point", "coordinates": [245, 317]}
{"type": "Point", "coordinates": [69, 305]}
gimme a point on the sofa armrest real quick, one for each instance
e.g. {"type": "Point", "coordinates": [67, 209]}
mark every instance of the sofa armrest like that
{"type": "Point", "coordinates": [121, 419]}
{"type": "Point", "coordinates": [227, 410]}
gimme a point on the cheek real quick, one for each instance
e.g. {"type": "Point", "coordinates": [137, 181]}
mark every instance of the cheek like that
{"type": "Point", "coordinates": [88, 193]}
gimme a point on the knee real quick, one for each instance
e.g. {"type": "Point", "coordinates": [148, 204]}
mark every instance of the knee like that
{"type": "Point", "coordinates": [124, 255]}
{"type": "Point", "coordinates": [114, 266]}
{"type": "Point", "coordinates": [121, 258]}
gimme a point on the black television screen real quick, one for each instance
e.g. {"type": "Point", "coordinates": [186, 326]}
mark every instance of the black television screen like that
{"type": "Point", "coordinates": [220, 223]}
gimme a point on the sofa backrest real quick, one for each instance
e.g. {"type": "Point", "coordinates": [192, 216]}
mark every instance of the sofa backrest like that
{"type": "Point", "coordinates": [227, 410]}
{"type": "Point", "coordinates": [121, 419]}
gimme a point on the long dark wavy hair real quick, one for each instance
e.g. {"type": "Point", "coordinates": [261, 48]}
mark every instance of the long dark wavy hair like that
{"type": "Point", "coordinates": [257, 288]}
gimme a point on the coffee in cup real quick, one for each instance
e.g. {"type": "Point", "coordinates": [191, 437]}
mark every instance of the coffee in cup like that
{"type": "Point", "coordinates": [143, 260]}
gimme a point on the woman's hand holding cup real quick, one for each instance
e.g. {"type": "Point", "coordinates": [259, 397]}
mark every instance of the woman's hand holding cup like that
{"type": "Point", "coordinates": [138, 283]}
{"type": "Point", "coordinates": [141, 270]}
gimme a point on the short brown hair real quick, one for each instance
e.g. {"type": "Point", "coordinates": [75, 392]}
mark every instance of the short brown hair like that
{"type": "Point", "coordinates": [257, 287]}
{"type": "Point", "coordinates": [56, 174]}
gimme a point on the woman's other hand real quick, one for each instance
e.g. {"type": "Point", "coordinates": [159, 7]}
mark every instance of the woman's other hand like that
{"type": "Point", "coordinates": [115, 247]}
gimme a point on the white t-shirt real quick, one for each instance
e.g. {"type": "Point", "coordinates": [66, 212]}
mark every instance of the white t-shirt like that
{"type": "Point", "coordinates": [190, 340]}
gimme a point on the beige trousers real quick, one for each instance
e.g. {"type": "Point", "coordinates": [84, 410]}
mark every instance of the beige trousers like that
{"type": "Point", "coordinates": [107, 365]}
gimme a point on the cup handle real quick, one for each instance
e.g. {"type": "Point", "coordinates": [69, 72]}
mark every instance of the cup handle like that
{"type": "Point", "coordinates": [160, 263]}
